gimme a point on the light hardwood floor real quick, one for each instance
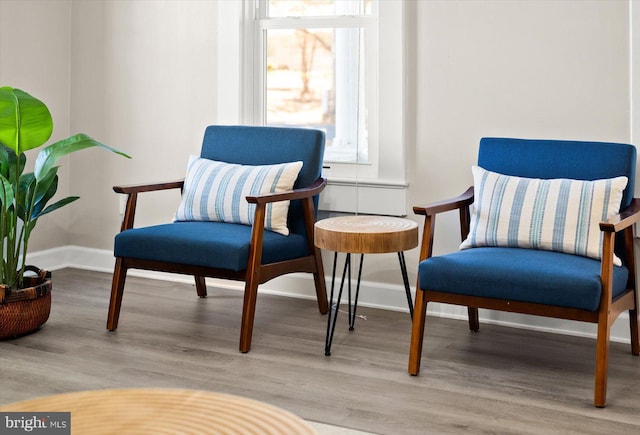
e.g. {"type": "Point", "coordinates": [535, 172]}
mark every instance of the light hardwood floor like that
{"type": "Point", "coordinates": [500, 380]}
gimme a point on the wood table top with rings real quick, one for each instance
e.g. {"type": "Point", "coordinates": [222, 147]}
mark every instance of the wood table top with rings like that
{"type": "Point", "coordinates": [164, 411]}
{"type": "Point", "coordinates": [363, 234]}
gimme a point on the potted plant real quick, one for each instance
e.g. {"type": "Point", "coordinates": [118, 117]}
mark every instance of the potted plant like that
{"type": "Point", "coordinates": [26, 123]}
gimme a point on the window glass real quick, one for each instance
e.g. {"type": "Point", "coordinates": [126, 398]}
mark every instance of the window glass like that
{"type": "Point", "coordinates": [318, 69]}
{"type": "Point", "coordinates": [316, 78]}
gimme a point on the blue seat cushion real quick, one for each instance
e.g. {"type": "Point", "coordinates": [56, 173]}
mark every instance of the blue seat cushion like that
{"type": "Point", "coordinates": [525, 275]}
{"type": "Point", "coordinates": [210, 244]}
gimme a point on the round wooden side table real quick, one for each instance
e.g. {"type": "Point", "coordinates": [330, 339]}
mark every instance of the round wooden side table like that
{"type": "Point", "coordinates": [164, 411]}
{"type": "Point", "coordinates": [363, 234]}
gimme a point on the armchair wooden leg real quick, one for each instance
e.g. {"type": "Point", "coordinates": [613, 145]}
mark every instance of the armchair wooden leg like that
{"type": "Point", "coordinates": [474, 322]}
{"type": "Point", "coordinates": [201, 286]}
{"type": "Point", "coordinates": [417, 332]}
{"type": "Point", "coordinates": [117, 289]}
{"type": "Point", "coordinates": [248, 314]}
{"type": "Point", "coordinates": [602, 363]}
{"type": "Point", "coordinates": [634, 324]}
{"type": "Point", "coordinates": [321, 288]}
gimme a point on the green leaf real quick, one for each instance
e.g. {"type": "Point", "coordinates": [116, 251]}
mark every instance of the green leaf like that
{"type": "Point", "coordinates": [4, 161]}
{"type": "Point", "coordinates": [25, 121]}
{"type": "Point", "coordinates": [26, 190]}
{"type": "Point", "coordinates": [48, 157]}
{"type": "Point", "coordinates": [11, 166]}
{"type": "Point", "coordinates": [6, 193]}
{"type": "Point", "coordinates": [45, 190]}
{"type": "Point", "coordinates": [58, 204]}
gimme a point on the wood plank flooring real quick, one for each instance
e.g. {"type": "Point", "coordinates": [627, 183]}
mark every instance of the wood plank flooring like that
{"type": "Point", "coordinates": [498, 381]}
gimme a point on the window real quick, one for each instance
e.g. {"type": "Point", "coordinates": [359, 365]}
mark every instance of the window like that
{"type": "Point", "coordinates": [336, 65]}
{"type": "Point", "coordinates": [315, 63]}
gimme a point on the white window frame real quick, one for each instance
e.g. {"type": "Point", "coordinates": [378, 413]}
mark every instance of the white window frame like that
{"type": "Point", "coordinates": [378, 186]}
{"type": "Point", "coordinates": [360, 144]}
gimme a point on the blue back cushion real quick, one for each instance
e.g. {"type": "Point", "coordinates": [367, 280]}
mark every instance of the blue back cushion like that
{"type": "Point", "coordinates": [535, 158]}
{"type": "Point", "coordinates": [255, 145]}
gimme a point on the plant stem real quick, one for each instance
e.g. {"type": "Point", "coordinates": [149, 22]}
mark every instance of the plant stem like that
{"type": "Point", "coordinates": [25, 232]}
{"type": "Point", "coordinates": [10, 261]}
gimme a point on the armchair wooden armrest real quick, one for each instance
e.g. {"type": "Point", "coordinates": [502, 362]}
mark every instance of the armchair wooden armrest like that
{"type": "Point", "coordinates": [624, 219]}
{"type": "Point", "coordinates": [461, 202]}
{"type": "Point", "coordinates": [137, 188]}
{"type": "Point", "coordinates": [308, 192]}
{"type": "Point", "coordinates": [132, 197]}
{"type": "Point", "coordinates": [447, 205]}
{"type": "Point", "coordinates": [257, 234]}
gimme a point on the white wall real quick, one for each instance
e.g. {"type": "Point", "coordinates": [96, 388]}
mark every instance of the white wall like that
{"type": "Point", "coordinates": [142, 78]}
{"type": "Point", "coordinates": [34, 57]}
{"type": "Point", "coordinates": [517, 69]}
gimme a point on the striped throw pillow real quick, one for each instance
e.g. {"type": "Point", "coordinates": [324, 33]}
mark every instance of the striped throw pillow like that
{"type": "Point", "coordinates": [557, 214]}
{"type": "Point", "coordinates": [217, 191]}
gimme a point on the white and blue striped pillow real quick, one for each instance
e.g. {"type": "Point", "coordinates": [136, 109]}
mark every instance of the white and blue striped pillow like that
{"type": "Point", "coordinates": [217, 191]}
{"type": "Point", "coordinates": [556, 214]}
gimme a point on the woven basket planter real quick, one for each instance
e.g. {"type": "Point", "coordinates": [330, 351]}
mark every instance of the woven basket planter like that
{"type": "Point", "coordinates": [25, 310]}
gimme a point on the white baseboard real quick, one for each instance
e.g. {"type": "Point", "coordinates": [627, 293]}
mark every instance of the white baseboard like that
{"type": "Point", "coordinates": [372, 294]}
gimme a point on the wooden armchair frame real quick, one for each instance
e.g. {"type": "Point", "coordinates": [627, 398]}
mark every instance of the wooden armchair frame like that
{"type": "Point", "coordinates": [255, 274]}
{"type": "Point", "coordinates": [607, 313]}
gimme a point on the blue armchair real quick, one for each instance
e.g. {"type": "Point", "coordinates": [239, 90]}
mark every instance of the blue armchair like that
{"type": "Point", "coordinates": [216, 234]}
{"type": "Point", "coordinates": [547, 230]}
